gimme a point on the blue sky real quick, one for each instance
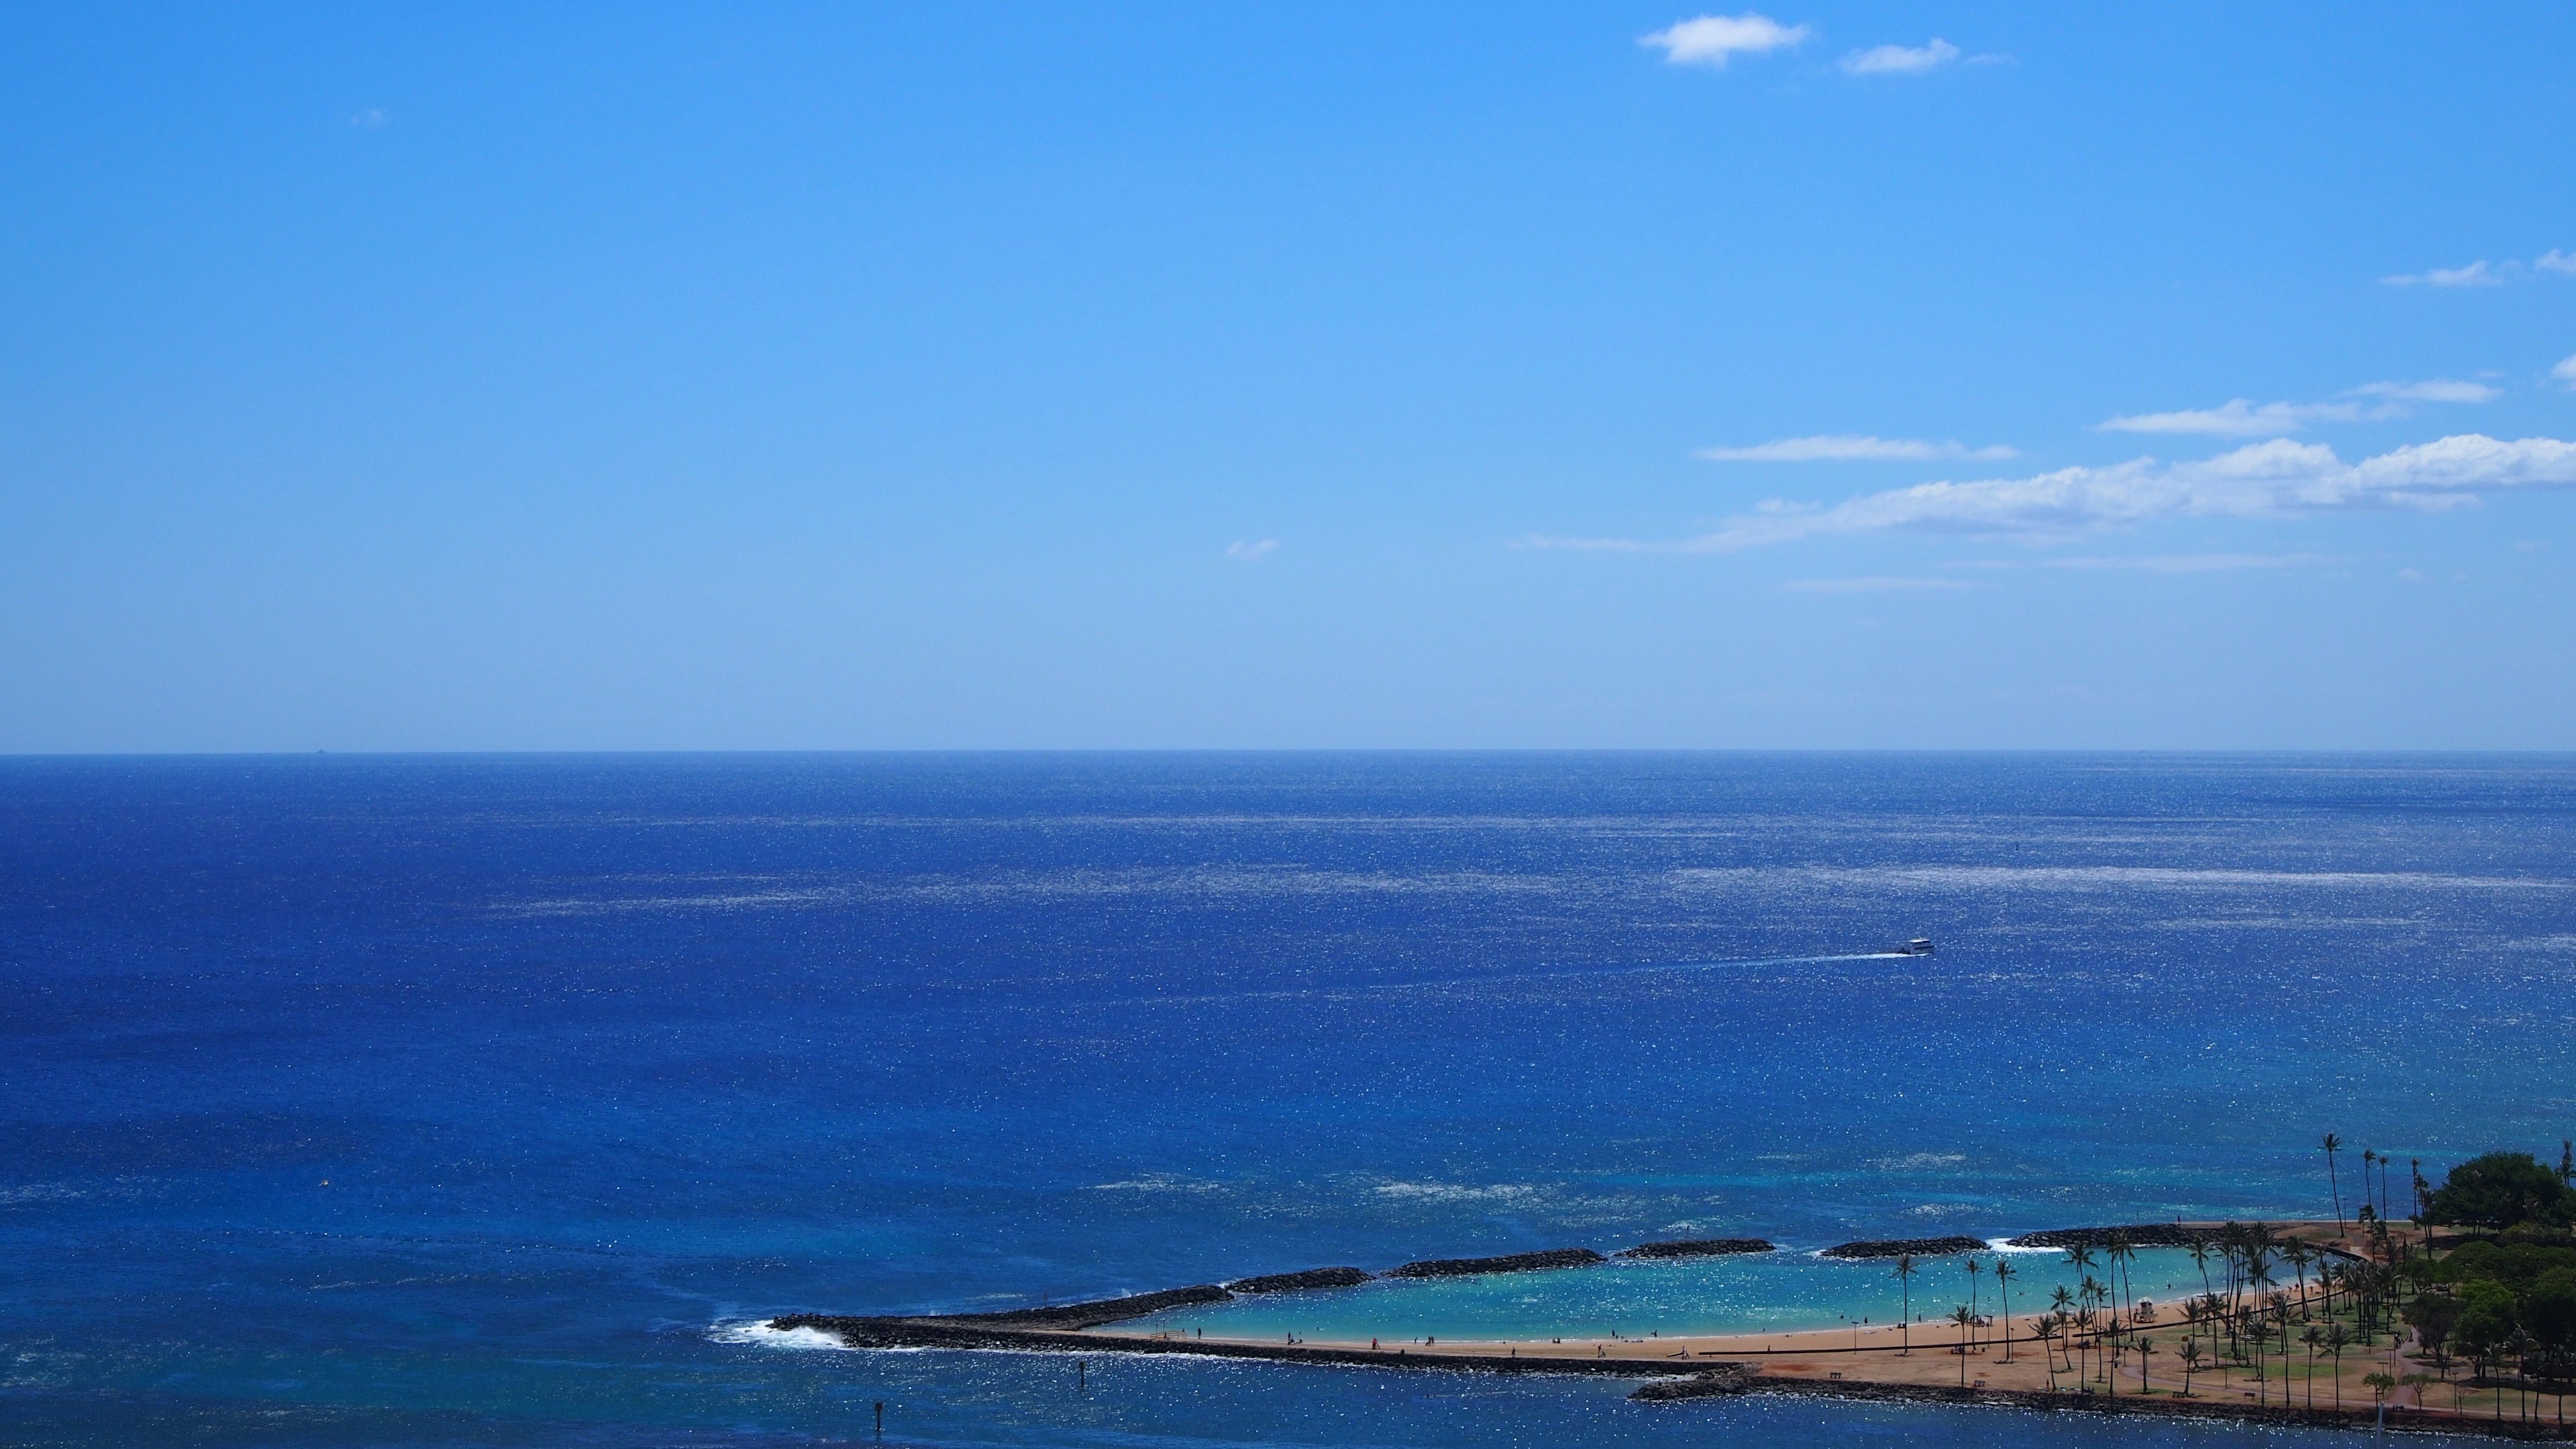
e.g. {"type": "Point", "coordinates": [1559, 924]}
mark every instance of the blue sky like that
{"type": "Point", "coordinates": [769, 377]}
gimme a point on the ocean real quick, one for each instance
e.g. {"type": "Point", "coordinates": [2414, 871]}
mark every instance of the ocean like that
{"type": "Point", "coordinates": [495, 1100]}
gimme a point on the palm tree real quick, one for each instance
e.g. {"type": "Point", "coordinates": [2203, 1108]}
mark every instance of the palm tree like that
{"type": "Point", "coordinates": [2146, 1356]}
{"type": "Point", "coordinates": [2299, 1255]}
{"type": "Point", "coordinates": [2312, 1337]}
{"type": "Point", "coordinates": [2003, 1291]}
{"type": "Point", "coordinates": [2200, 1260]}
{"type": "Point", "coordinates": [1975, 1268]}
{"type": "Point", "coordinates": [2333, 1145]}
{"type": "Point", "coordinates": [2045, 1330]}
{"type": "Point", "coordinates": [1966, 1318]}
{"type": "Point", "coordinates": [1905, 1285]}
{"type": "Point", "coordinates": [2368, 1158]}
{"type": "Point", "coordinates": [2190, 1363]}
{"type": "Point", "coordinates": [2121, 1255]}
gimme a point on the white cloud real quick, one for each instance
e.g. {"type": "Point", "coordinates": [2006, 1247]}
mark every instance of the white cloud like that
{"type": "Point", "coordinates": [2241, 418]}
{"type": "Point", "coordinates": [368, 120]}
{"type": "Point", "coordinates": [1850, 448]}
{"type": "Point", "coordinates": [2437, 389]}
{"type": "Point", "coordinates": [2235, 418]}
{"type": "Point", "coordinates": [1901, 59]}
{"type": "Point", "coordinates": [2475, 274]}
{"type": "Point", "coordinates": [2565, 372]}
{"type": "Point", "coordinates": [2557, 261]}
{"type": "Point", "coordinates": [2269, 479]}
{"type": "Point", "coordinates": [1710, 40]}
{"type": "Point", "coordinates": [1249, 551]}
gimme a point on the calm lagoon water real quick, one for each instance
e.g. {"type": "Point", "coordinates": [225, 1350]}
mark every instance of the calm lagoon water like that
{"type": "Point", "coordinates": [484, 1100]}
{"type": "Point", "coordinates": [1780, 1291]}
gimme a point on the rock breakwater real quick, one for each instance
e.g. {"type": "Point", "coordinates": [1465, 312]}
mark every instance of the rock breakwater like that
{"type": "Point", "coordinates": [1896, 1247]}
{"type": "Point", "coordinates": [1697, 1248]}
{"type": "Point", "coordinates": [2138, 1235]}
{"type": "Point", "coordinates": [1508, 1263]}
{"type": "Point", "coordinates": [1075, 1316]}
{"type": "Point", "coordinates": [1718, 1380]}
{"type": "Point", "coordinates": [1306, 1282]}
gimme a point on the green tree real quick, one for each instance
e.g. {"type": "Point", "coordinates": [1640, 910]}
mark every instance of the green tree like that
{"type": "Point", "coordinates": [2434, 1316]}
{"type": "Point", "coordinates": [2333, 1145]}
{"type": "Point", "coordinates": [2499, 1190]}
{"type": "Point", "coordinates": [2486, 1320]}
{"type": "Point", "coordinates": [2549, 1312]}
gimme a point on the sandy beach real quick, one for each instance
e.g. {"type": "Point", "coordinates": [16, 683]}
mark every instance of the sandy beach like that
{"type": "Point", "coordinates": [1937, 1353]}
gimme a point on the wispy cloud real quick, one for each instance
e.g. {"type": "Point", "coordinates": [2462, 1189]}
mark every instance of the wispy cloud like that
{"type": "Point", "coordinates": [1712, 40]}
{"type": "Point", "coordinates": [1871, 585]}
{"type": "Point", "coordinates": [2269, 479]}
{"type": "Point", "coordinates": [2482, 273]}
{"type": "Point", "coordinates": [368, 120]}
{"type": "Point", "coordinates": [2242, 418]}
{"type": "Point", "coordinates": [2438, 389]}
{"type": "Point", "coordinates": [1249, 551]}
{"type": "Point", "coordinates": [1900, 59]}
{"type": "Point", "coordinates": [2565, 372]}
{"type": "Point", "coordinates": [1851, 448]}
{"type": "Point", "coordinates": [2235, 418]}
{"type": "Point", "coordinates": [2192, 563]}
{"type": "Point", "coordinates": [2475, 274]}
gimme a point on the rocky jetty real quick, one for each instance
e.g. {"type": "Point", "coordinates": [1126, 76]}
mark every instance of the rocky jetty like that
{"type": "Point", "coordinates": [1697, 1248]}
{"type": "Point", "coordinates": [2140, 1235]}
{"type": "Point", "coordinates": [1919, 1247]}
{"type": "Point", "coordinates": [1717, 1380]}
{"type": "Point", "coordinates": [1074, 1316]}
{"type": "Point", "coordinates": [1508, 1263]}
{"type": "Point", "coordinates": [1306, 1282]}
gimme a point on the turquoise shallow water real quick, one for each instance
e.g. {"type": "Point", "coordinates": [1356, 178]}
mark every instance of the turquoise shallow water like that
{"type": "Point", "coordinates": [1781, 1291]}
{"type": "Point", "coordinates": [482, 1101]}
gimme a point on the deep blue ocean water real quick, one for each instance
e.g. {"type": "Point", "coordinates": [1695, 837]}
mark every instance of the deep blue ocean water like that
{"type": "Point", "coordinates": [483, 1100]}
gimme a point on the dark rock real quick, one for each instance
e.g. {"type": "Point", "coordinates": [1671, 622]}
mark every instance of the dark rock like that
{"type": "Point", "coordinates": [2140, 1235]}
{"type": "Point", "coordinates": [1086, 1315]}
{"type": "Point", "coordinates": [1509, 1263]}
{"type": "Point", "coordinates": [1715, 1380]}
{"type": "Point", "coordinates": [1919, 1247]}
{"type": "Point", "coordinates": [1306, 1282]}
{"type": "Point", "coordinates": [1696, 1248]}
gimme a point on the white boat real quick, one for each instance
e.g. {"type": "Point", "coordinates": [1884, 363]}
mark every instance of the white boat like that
{"type": "Point", "coordinates": [1919, 946]}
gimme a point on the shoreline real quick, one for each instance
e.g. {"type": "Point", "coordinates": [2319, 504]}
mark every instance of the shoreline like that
{"type": "Point", "coordinates": [1665, 1381]}
{"type": "Point", "coordinates": [1930, 1362]}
